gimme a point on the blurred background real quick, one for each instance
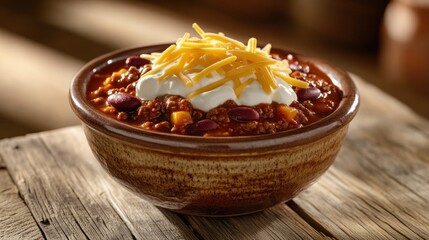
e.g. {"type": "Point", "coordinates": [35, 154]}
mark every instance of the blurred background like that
{"type": "Point", "coordinates": [44, 43]}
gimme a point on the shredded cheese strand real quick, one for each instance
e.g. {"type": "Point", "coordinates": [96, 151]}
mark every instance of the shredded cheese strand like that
{"type": "Point", "coordinates": [213, 67]}
{"type": "Point", "coordinates": [198, 29]}
{"type": "Point", "coordinates": [292, 81]}
{"type": "Point", "coordinates": [158, 67]}
{"type": "Point", "coordinates": [240, 71]}
{"type": "Point", "coordinates": [210, 50]}
{"type": "Point", "coordinates": [207, 88]}
{"type": "Point", "coordinates": [224, 39]}
{"type": "Point", "coordinates": [214, 52]}
{"type": "Point", "coordinates": [149, 57]}
{"type": "Point", "coordinates": [252, 57]}
{"type": "Point", "coordinates": [270, 77]}
{"type": "Point", "coordinates": [251, 45]}
{"type": "Point", "coordinates": [187, 81]}
{"type": "Point", "coordinates": [198, 44]}
{"type": "Point", "coordinates": [242, 86]}
{"type": "Point", "coordinates": [263, 81]}
{"type": "Point", "coordinates": [180, 41]}
{"type": "Point", "coordinates": [175, 68]}
{"type": "Point", "coordinates": [165, 54]}
{"type": "Point", "coordinates": [267, 48]}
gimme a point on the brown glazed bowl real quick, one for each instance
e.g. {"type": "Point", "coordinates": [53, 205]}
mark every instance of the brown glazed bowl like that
{"type": "Point", "coordinates": [213, 176]}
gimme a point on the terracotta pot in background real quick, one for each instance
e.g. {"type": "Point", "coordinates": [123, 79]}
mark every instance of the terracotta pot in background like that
{"type": "Point", "coordinates": [404, 51]}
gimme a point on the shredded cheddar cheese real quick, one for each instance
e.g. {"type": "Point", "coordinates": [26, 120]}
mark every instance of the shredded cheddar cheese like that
{"type": "Point", "coordinates": [214, 67]}
{"type": "Point", "coordinates": [251, 45]}
{"type": "Point", "coordinates": [198, 29]}
{"type": "Point", "coordinates": [216, 53]}
{"type": "Point", "coordinates": [238, 90]}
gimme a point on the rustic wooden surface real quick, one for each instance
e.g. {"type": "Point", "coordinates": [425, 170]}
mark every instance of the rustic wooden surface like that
{"type": "Point", "coordinates": [16, 220]}
{"type": "Point", "coordinates": [52, 187]}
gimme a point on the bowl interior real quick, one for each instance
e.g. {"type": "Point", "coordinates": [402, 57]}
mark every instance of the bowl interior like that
{"type": "Point", "coordinates": [230, 145]}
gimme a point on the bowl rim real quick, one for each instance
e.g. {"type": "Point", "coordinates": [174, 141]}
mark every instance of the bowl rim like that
{"type": "Point", "coordinates": [168, 142]}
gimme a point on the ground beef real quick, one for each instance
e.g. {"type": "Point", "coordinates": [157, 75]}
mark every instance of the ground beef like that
{"type": "Point", "coordinates": [174, 114]}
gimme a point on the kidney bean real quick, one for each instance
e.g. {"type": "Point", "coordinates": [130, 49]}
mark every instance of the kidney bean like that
{"type": "Point", "coordinates": [124, 102]}
{"type": "Point", "coordinates": [243, 114]}
{"type": "Point", "coordinates": [204, 126]}
{"type": "Point", "coordinates": [308, 93]}
{"type": "Point", "coordinates": [135, 61]}
{"type": "Point", "coordinates": [323, 107]}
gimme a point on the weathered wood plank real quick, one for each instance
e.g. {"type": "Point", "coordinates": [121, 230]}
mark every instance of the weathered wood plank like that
{"type": "Point", "coordinates": [2, 164]}
{"type": "Point", "coordinates": [376, 189]}
{"type": "Point", "coordinates": [6, 184]}
{"type": "Point", "coordinates": [154, 223]}
{"type": "Point", "coordinates": [279, 222]}
{"type": "Point", "coordinates": [143, 219]}
{"type": "Point", "coordinates": [66, 153]}
{"type": "Point", "coordinates": [58, 196]}
{"type": "Point", "coordinates": [15, 219]}
{"type": "Point", "coordinates": [71, 196]}
{"type": "Point", "coordinates": [378, 186]}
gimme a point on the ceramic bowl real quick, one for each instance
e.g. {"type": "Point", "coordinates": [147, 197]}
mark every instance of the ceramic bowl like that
{"type": "Point", "coordinates": [214, 176]}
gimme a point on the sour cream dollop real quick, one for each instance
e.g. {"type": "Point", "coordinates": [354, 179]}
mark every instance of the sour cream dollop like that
{"type": "Point", "coordinates": [150, 86]}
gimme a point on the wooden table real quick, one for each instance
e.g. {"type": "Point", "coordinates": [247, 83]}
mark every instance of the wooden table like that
{"type": "Point", "coordinates": [378, 188]}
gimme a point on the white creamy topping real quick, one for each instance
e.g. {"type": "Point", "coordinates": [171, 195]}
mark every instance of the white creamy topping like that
{"type": "Point", "coordinates": [149, 87]}
{"type": "Point", "coordinates": [210, 69]}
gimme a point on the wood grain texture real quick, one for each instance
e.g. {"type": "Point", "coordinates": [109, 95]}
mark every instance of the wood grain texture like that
{"type": "Point", "coordinates": [70, 195]}
{"type": "Point", "coordinates": [144, 220]}
{"type": "Point", "coordinates": [16, 220]}
{"type": "Point", "coordinates": [378, 186]}
{"type": "Point", "coordinates": [279, 222]}
{"type": "Point", "coordinates": [66, 194]}
{"type": "Point", "coordinates": [376, 189]}
{"type": "Point", "coordinates": [2, 164]}
{"type": "Point", "coordinates": [6, 184]}
{"type": "Point", "coordinates": [59, 209]}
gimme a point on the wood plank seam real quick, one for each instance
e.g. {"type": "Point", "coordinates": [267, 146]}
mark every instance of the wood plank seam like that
{"type": "Point", "coordinates": [90, 168]}
{"type": "Point", "coordinates": [114, 204]}
{"type": "Point", "coordinates": [405, 223]}
{"type": "Point", "coordinates": [2, 163]}
{"type": "Point", "coordinates": [44, 211]}
{"type": "Point", "coordinates": [187, 223]}
{"type": "Point", "coordinates": [375, 166]}
{"type": "Point", "coordinates": [311, 221]}
{"type": "Point", "coordinates": [21, 215]}
{"type": "Point", "coordinates": [48, 148]}
{"type": "Point", "coordinates": [356, 196]}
